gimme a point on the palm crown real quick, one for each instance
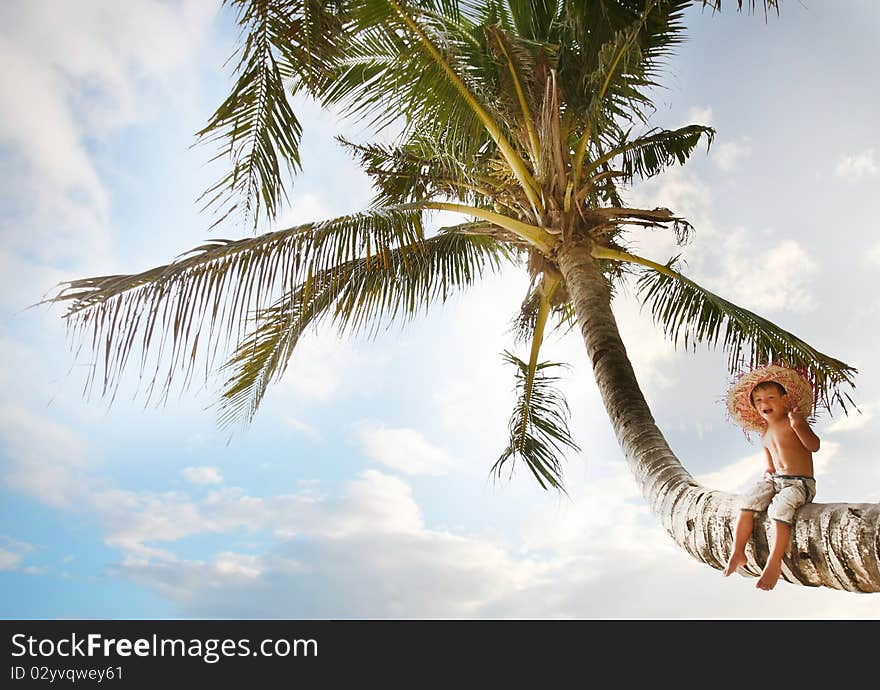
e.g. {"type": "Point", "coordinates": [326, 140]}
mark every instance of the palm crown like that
{"type": "Point", "coordinates": [529, 116]}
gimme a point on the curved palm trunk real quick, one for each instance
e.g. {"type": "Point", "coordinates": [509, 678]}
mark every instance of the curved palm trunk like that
{"type": "Point", "coordinates": [833, 545]}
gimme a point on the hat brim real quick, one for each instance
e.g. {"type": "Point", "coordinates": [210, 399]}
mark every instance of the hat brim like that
{"type": "Point", "coordinates": [739, 405]}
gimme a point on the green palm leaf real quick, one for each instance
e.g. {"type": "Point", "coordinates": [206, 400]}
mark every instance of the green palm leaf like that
{"type": "Point", "coordinates": [388, 75]}
{"type": "Point", "coordinates": [421, 169]}
{"type": "Point", "coordinates": [690, 314]}
{"type": "Point", "coordinates": [259, 132]}
{"type": "Point", "coordinates": [537, 20]}
{"type": "Point", "coordinates": [655, 150]}
{"type": "Point", "coordinates": [539, 424]}
{"type": "Point", "coordinates": [356, 295]}
{"type": "Point", "coordinates": [212, 288]}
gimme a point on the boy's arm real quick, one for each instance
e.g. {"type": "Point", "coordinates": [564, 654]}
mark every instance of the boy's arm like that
{"type": "Point", "coordinates": [803, 431]}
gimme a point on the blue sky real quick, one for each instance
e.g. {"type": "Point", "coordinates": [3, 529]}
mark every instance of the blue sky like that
{"type": "Point", "coordinates": [362, 489]}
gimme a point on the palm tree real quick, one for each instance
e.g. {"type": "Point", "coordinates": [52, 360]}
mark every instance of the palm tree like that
{"type": "Point", "coordinates": [531, 117]}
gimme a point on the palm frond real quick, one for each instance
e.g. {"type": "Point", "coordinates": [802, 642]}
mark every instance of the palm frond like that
{"type": "Point", "coordinates": [566, 318]}
{"type": "Point", "coordinates": [209, 290]}
{"type": "Point", "coordinates": [750, 4]}
{"type": "Point", "coordinates": [651, 27]}
{"type": "Point", "coordinates": [520, 78]}
{"type": "Point", "coordinates": [613, 87]}
{"type": "Point", "coordinates": [522, 326]}
{"type": "Point", "coordinates": [690, 314]}
{"type": "Point", "coordinates": [536, 20]}
{"type": "Point", "coordinates": [353, 296]}
{"type": "Point", "coordinates": [258, 131]}
{"type": "Point", "coordinates": [654, 151]}
{"type": "Point", "coordinates": [508, 152]}
{"type": "Point", "coordinates": [421, 168]}
{"type": "Point", "coordinates": [538, 426]}
{"type": "Point", "coordinates": [427, 72]}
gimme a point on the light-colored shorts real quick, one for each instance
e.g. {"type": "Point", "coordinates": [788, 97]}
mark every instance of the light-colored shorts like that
{"type": "Point", "coordinates": [784, 494]}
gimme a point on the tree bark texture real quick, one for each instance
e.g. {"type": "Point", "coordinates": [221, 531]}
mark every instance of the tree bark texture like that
{"type": "Point", "coordinates": [833, 545]}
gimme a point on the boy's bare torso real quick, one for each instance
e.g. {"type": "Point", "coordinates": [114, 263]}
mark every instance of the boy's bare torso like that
{"type": "Point", "coordinates": [787, 453]}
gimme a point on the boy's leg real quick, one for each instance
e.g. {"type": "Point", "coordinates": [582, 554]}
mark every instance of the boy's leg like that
{"type": "Point", "coordinates": [782, 511]}
{"type": "Point", "coordinates": [744, 524]}
{"type": "Point", "coordinates": [773, 569]}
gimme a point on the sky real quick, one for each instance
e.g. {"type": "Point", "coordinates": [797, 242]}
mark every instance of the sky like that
{"type": "Point", "coordinates": [363, 488]}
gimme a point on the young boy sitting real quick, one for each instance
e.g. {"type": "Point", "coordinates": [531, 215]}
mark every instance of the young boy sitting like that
{"type": "Point", "coordinates": [789, 444]}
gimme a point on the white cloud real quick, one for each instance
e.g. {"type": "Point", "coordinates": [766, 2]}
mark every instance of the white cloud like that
{"type": "Point", "coordinates": [771, 279]}
{"type": "Point", "coordinates": [851, 422]}
{"type": "Point", "coordinates": [873, 255]}
{"type": "Point", "coordinates": [728, 154]}
{"type": "Point", "coordinates": [367, 552]}
{"type": "Point", "coordinates": [35, 570]}
{"type": "Point", "coordinates": [304, 208]}
{"type": "Point", "coordinates": [235, 564]}
{"type": "Point", "coordinates": [45, 458]}
{"type": "Point", "coordinates": [585, 558]}
{"type": "Point", "coordinates": [699, 115]}
{"type": "Point", "coordinates": [325, 367]}
{"type": "Point", "coordinates": [9, 560]}
{"type": "Point", "coordinates": [405, 450]}
{"type": "Point", "coordinates": [737, 268]}
{"type": "Point", "coordinates": [74, 73]}
{"type": "Point", "coordinates": [682, 192]}
{"type": "Point", "coordinates": [854, 166]}
{"type": "Point", "coordinates": [737, 475]}
{"type": "Point", "coordinates": [12, 552]}
{"type": "Point", "coordinates": [202, 475]}
{"type": "Point", "coordinates": [305, 429]}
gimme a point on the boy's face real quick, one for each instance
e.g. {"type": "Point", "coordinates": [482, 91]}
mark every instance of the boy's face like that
{"type": "Point", "coordinates": [770, 402]}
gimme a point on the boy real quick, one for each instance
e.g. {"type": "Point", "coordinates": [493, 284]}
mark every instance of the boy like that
{"type": "Point", "coordinates": [789, 444]}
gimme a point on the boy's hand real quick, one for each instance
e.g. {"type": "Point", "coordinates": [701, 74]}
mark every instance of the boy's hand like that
{"type": "Point", "coordinates": [795, 418]}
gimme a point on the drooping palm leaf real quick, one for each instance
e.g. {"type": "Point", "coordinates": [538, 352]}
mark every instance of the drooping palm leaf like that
{"type": "Point", "coordinates": [690, 314]}
{"type": "Point", "coordinates": [522, 326]}
{"type": "Point", "coordinates": [214, 286]}
{"type": "Point", "coordinates": [768, 4]}
{"type": "Point", "coordinates": [282, 42]}
{"type": "Point", "coordinates": [654, 151]}
{"type": "Point", "coordinates": [538, 426]}
{"type": "Point", "coordinates": [355, 296]}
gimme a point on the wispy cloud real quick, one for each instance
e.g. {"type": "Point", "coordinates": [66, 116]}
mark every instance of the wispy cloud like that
{"type": "Point", "coordinates": [743, 270]}
{"type": "Point", "coordinates": [699, 115]}
{"type": "Point", "coordinates": [302, 427]}
{"type": "Point", "coordinates": [9, 560]}
{"type": "Point", "coordinates": [202, 475]}
{"type": "Point", "coordinates": [857, 165]}
{"type": "Point", "coordinates": [727, 155]}
{"type": "Point", "coordinates": [99, 67]}
{"type": "Point", "coordinates": [45, 459]}
{"type": "Point", "coordinates": [856, 419]}
{"type": "Point", "coordinates": [404, 450]}
{"type": "Point", "coordinates": [12, 551]}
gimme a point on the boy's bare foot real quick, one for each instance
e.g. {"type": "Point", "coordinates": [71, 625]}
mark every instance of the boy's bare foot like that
{"type": "Point", "coordinates": [736, 560]}
{"type": "Point", "coordinates": [770, 576]}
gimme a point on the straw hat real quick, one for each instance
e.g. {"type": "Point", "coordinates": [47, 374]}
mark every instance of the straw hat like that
{"type": "Point", "coordinates": [739, 405]}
